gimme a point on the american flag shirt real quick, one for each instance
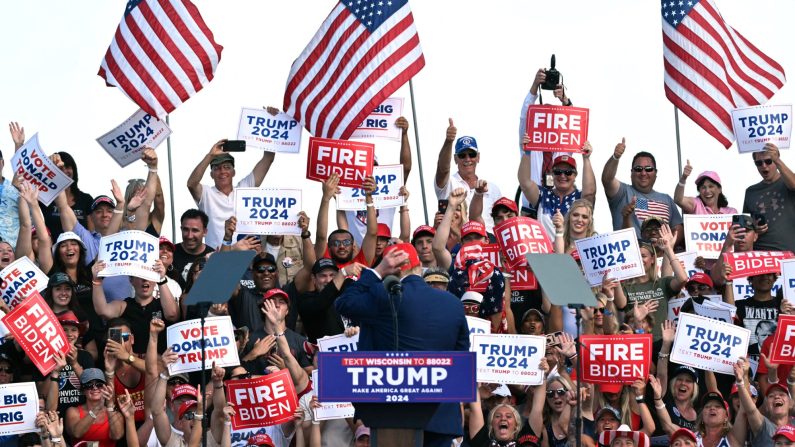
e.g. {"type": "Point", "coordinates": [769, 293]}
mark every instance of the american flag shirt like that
{"type": "Point", "coordinates": [645, 208]}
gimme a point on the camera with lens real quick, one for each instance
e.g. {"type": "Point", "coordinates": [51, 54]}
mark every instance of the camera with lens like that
{"type": "Point", "coordinates": [553, 76]}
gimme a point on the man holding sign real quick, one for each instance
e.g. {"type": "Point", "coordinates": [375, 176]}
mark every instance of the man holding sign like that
{"type": "Point", "coordinates": [218, 200]}
{"type": "Point", "coordinates": [772, 200]}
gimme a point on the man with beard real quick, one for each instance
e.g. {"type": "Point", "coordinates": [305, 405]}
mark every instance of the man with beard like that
{"type": "Point", "coordinates": [244, 306]}
{"type": "Point", "coordinates": [340, 245]}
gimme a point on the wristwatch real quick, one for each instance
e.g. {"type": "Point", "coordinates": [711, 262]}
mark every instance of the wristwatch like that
{"type": "Point", "coordinates": [130, 359]}
{"type": "Point", "coordinates": [306, 235]}
{"type": "Point", "coordinates": [131, 218]}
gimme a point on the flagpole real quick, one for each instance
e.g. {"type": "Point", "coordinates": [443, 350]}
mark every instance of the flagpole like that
{"type": "Point", "coordinates": [171, 190]}
{"type": "Point", "coordinates": [678, 143]}
{"type": "Point", "coordinates": [419, 154]}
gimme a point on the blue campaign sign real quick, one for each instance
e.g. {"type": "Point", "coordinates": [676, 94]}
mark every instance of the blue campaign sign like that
{"type": "Point", "coordinates": [389, 377]}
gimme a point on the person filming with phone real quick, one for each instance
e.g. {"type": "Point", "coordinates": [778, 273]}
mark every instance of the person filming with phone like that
{"type": "Point", "coordinates": [772, 201]}
{"type": "Point", "coordinates": [218, 200]}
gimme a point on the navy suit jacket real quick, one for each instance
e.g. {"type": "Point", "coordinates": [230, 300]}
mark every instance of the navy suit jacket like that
{"type": "Point", "coordinates": [428, 320]}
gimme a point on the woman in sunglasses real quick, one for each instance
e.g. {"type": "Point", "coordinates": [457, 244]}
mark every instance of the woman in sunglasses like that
{"type": "Point", "coordinates": [97, 419]}
{"type": "Point", "coordinates": [564, 192]}
{"type": "Point", "coordinates": [550, 418]}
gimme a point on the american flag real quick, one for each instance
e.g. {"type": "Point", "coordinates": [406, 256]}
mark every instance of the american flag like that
{"type": "Point", "coordinates": [362, 53]}
{"type": "Point", "coordinates": [711, 69]}
{"type": "Point", "coordinates": [645, 208]}
{"type": "Point", "coordinates": [162, 53]}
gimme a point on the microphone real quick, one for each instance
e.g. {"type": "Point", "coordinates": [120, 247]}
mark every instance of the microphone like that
{"type": "Point", "coordinates": [395, 290]}
{"type": "Point", "coordinates": [392, 285]}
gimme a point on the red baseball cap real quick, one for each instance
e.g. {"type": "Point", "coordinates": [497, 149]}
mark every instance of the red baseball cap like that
{"type": "Point", "coordinates": [565, 159]}
{"type": "Point", "coordinates": [384, 231]}
{"type": "Point", "coordinates": [423, 229]}
{"type": "Point", "coordinates": [260, 440]}
{"type": "Point", "coordinates": [776, 386]}
{"type": "Point", "coordinates": [414, 258]}
{"type": "Point", "coordinates": [787, 431]}
{"type": "Point", "coordinates": [184, 390]}
{"type": "Point", "coordinates": [613, 388]}
{"type": "Point", "coordinates": [69, 318]}
{"type": "Point", "coordinates": [274, 292]}
{"type": "Point", "coordinates": [473, 226]}
{"type": "Point", "coordinates": [187, 405]}
{"type": "Point", "coordinates": [507, 203]}
{"type": "Point", "coordinates": [165, 241]}
{"type": "Point", "coordinates": [683, 432]}
{"type": "Point", "coordinates": [701, 278]}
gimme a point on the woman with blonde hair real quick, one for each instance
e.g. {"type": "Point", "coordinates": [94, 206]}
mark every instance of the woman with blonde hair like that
{"type": "Point", "coordinates": [578, 224]}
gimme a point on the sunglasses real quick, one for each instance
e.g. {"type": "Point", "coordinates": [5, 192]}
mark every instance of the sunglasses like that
{"type": "Point", "coordinates": [341, 243]}
{"type": "Point", "coordinates": [644, 168]}
{"type": "Point", "coordinates": [699, 287]}
{"type": "Point", "coordinates": [93, 386]}
{"type": "Point", "coordinates": [472, 308]}
{"type": "Point", "coordinates": [7, 370]}
{"type": "Point", "coordinates": [560, 392]}
{"type": "Point", "coordinates": [125, 336]}
{"type": "Point", "coordinates": [567, 172]}
{"type": "Point", "coordinates": [176, 381]}
{"type": "Point", "coordinates": [599, 310]}
{"type": "Point", "coordinates": [767, 161]}
{"type": "Point", "coordinates": [467, 154]}
{"type": "Point", "coordinates": [242, 376]}
{"type": "Point", "coordinates": [265, 268]}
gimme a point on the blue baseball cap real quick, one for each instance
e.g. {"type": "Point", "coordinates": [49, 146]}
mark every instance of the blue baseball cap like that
{"type": "Point", "coordinates": [465, 143]}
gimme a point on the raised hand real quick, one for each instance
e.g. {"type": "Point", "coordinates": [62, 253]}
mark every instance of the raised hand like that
{"type": "Point", "coordinates": [668, 331]}
{"type": "Point", "coordinates": [218, 147]}
{"type": "Point", "coordinates": [620, 148]}
{"type": "Point", "coordinates": [29, 193]}
{"type": "Point", "coordinates": [149, 157]}
{"type": "Point", "coordinates": [587, 150]}
{"type": "Point", "coordinates": [457, 197]}
{"type": "Point", "coordinates": [17, 134]}
{"type": "Point", "coordinates": [402, 124]}
{"type": "Point", "coordinates": [687, 170]}
{"type": "Point", "coordinates": [451, 131]}
{"type": "Point", "coordinates": [331, 186]}
{"type": "Point", "coordinates": [558, 221]}
{"type": "Point", "coordinates": [482, 187]}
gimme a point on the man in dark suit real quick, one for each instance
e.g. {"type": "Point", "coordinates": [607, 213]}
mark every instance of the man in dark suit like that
{"type": "Point", "coordinates": [428, 320]}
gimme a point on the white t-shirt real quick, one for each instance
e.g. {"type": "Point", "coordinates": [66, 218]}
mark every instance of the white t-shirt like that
{"type": "Point", "coordinates": [219, 207]}
{"type": "Point", "coordinates": [491, 196]}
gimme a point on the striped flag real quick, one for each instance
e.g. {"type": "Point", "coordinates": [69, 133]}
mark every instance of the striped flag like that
{"type": "Point", "coordinates": [161, 54]}
{"type": "Point", "coordinates": [645, 208]}
{"type": "Point", "coordinates": [362, 53]}
{"type": "Point", "coordinates": [711, 69]}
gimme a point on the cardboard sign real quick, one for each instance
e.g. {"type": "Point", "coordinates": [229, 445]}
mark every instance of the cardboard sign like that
{"type": "Point", "coordinates": [477, 326]}
{"type": "Point", "coordinates": [783, 348]}
{"type": "Point", "coordinates": [743, 289]}
{"type": "Point", "coordinates": [380, 123]}
{"type": "Point", "coordinates": [37, 330]}
{"type": "Point", "coordinates": [397, 377]}
{"type": "Point", "coordinates": [351, 160]}
{"type": "Point", "coordinates": [32, 164]}
{"type": "Point", "coordinates": [129, 253]}
{"type": "Point", "coordinates": [125, 143]}
{"type": "Point", "coordinates": [709, 344]}
{"type": "Point", "coordinates": [520, 235]}
{"type": "Point", "coordinates": [338, 343]}
{"type": "Point", "coordinates": [756, 126]}
{"type": "Point", "coordinates": [184, 338]}
{"type": "Point", "coordinates": [388, 181]}
{"type": "Point", "coordinates": [267, 211]}
{"type": "Point", "coordinates": [19, 404]}
{"type": "Point", "coordinates": [261, 130]}
{"type": "Point", "coordinates": [752, 263]}
{"type": "Point", "coordinates": [674, 305]}
{"type": "Point", "coordinates": [509, 358]}
{"type": "Point", "coordinates": [615, 358]}
{"type": "Point", "coordinates": [330, 410]}
{"type": "Point", "coordinates": [616, 253]}
{"type": "Point", "coordinates": [556, 128]}
{"type": "Point", "coordinates": [19, 279]}
{"type": "Point", "coordinates": [704, 234]}
{"type": "Point", "coordinates": [787, 279]}
{"type": "Point", "coordinates": [262, 401]}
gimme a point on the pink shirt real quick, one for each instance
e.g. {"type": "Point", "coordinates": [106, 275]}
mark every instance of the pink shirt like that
{"type": "Point", "coordinates": [702, 209]}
